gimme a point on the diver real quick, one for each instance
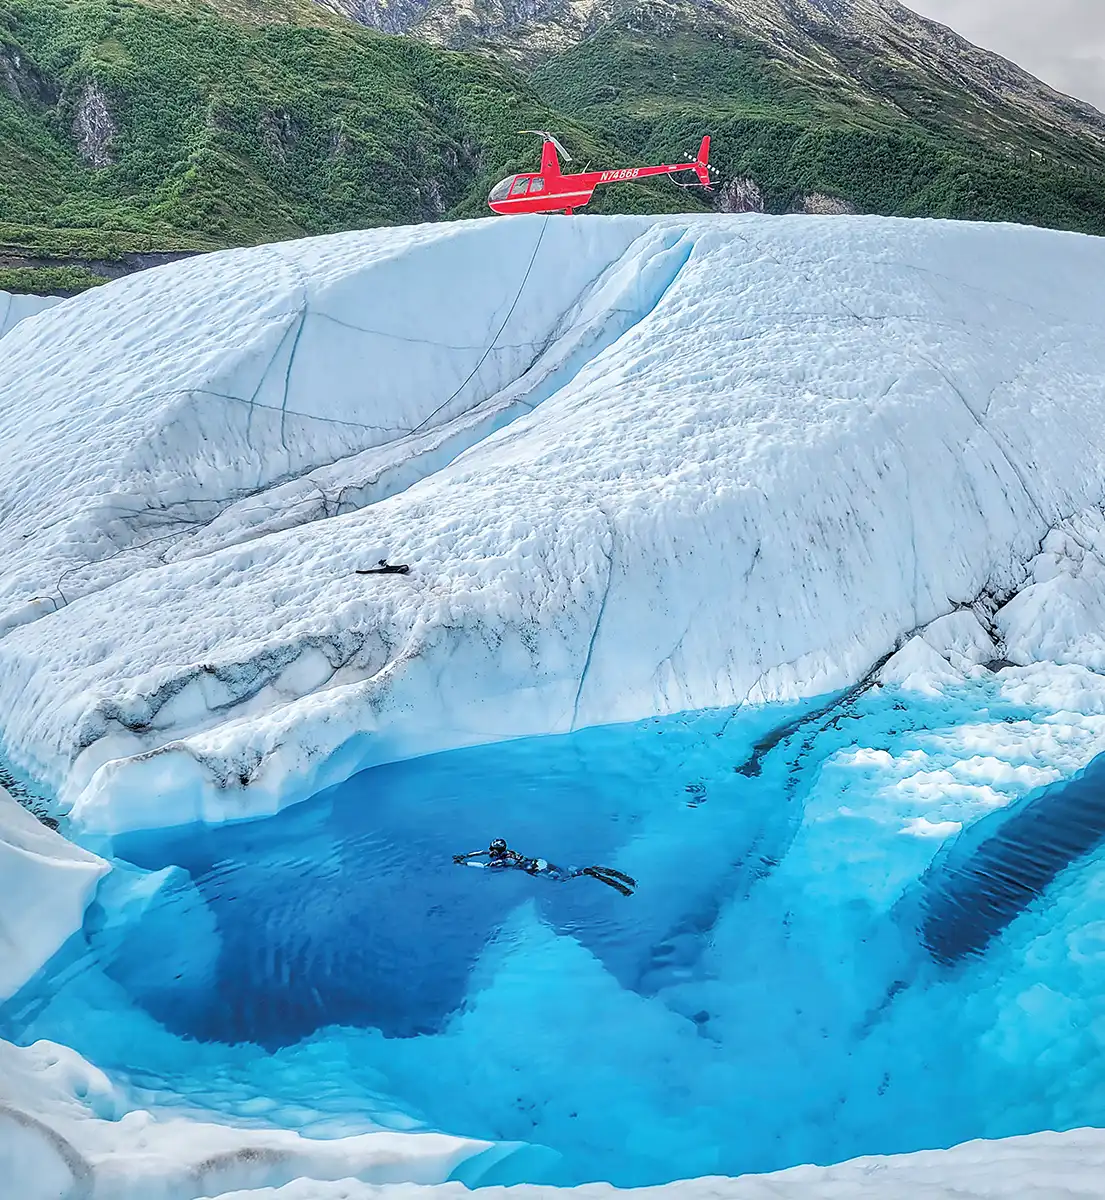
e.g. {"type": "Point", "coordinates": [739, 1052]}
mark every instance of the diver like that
{"type": "Point", "coordinates": [500, 858]}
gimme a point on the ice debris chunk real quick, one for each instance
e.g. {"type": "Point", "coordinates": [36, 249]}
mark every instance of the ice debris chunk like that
{"type": "Point", "coordinates": [1060, 615]}
{"type": "Point", "coordinates": [14, 309]}
{"type": "Point", "coordinates": [46, 883]}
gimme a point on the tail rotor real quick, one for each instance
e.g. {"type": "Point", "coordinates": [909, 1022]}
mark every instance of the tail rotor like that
{"type": "Point", "coordinates": [702, 163]}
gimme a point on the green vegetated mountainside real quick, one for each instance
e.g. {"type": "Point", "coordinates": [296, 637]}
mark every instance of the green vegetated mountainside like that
{"type": "Point", "coordinates": [132, 130]}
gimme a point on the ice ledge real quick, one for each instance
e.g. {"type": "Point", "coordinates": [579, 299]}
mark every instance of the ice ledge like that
{"type": "Point", "coordinates": [64, 1134]}
{"type": "Point", "coordinates": [14, 309]}
{"type": "Point", "coordinates": [47, 884]}
{"type": "Point", "coordinates": [1043, 1166]}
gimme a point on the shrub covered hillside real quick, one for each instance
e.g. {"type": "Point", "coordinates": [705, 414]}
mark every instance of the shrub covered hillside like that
{"type": "Point", "coordinates": [134, 129]}
{"type": "Point", "coordinates": [129, 127]}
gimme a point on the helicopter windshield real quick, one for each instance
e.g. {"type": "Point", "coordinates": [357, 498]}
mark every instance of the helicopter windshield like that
{"type": "Point", "coordinates": [502, 189]}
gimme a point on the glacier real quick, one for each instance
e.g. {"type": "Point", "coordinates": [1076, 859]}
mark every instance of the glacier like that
{"type": "Point", "coordinates": [762, 558]}
{"type": "Point", "coordinates": [702, 375]}
{"type": "Point", "coordinates": [14, 309]}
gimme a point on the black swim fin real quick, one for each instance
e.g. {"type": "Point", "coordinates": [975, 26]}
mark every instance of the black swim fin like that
{"type": "Point", "coordinates": [617, 875]}
{"type": "Point", "coordinates": [595, 873]}
{"type": "Point", "coordinates": [386, 569]}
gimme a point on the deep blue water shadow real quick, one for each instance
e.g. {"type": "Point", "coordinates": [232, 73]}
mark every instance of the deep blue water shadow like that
{"type": "Point", "coordinates": [1005, 862]}
{"type": "Point", "coordinates": [348, 909]}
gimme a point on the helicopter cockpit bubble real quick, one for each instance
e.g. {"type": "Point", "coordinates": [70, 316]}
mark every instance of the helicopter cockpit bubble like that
{"type": "Point", "coordinates": [502, 189]}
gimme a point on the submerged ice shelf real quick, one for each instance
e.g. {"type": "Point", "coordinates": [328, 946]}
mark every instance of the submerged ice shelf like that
{"type": "Point", "coordinates": [775, 993]}
{"type": "Point", "coordinates": [1008, 863]}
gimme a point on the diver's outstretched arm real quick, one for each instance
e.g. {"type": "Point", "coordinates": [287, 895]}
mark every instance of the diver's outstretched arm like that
{"type": "Point", "coordinates": [596, 873]}
{"type": "Point", "coordinates": [463, 858]}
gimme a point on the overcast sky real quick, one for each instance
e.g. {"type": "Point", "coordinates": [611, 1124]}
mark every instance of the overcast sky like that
{"type": "Point", "coordinates": [1059, 41]}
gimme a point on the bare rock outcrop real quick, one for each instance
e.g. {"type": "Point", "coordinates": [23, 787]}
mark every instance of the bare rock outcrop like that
{"type": "Point", "coordinates": [818, 204]}
{"type": "Point", "coordinates": [93, 126]}
{"type": "Point", "coordinates": [740, 195]}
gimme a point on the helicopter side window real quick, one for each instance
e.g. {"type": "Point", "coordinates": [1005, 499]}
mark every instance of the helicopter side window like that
{"type": "Point", "coordinates": [536, 185]}
{"type": "Point", "coordinates": [519, 188]}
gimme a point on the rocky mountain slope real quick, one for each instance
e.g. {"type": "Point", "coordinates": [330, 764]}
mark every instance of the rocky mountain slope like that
{"type": "Point", "coordinates": [134, 127]}
{"type": "Point", "coordinates": [816, 105]}
{"type": "Point", "coordinates": [859, 49]}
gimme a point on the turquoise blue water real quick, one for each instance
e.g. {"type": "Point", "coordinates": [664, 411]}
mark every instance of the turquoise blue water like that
{"type": "Point", "coordinates": [797, 978]}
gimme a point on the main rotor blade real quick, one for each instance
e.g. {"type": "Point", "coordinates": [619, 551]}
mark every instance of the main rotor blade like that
{"type": "Point", "coordinates": [548, 137]}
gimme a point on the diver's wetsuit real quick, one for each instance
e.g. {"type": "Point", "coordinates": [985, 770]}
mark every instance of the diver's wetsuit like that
{"type": "Point", "coordinates": [501, 859]}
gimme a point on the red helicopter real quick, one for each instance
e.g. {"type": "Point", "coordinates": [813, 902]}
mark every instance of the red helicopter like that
{"type": "Point", "coordinates": [551, 191]}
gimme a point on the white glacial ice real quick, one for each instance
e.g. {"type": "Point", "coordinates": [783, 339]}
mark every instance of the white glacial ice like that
{"type": "Point", "coordinates": [748, 456]}
{"type": "Point", "coordinates": [14, 309]}
{"type": "Point", "coordinates": [636, 466]}
{"type": "Point", "coordinates": [45, 884]}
